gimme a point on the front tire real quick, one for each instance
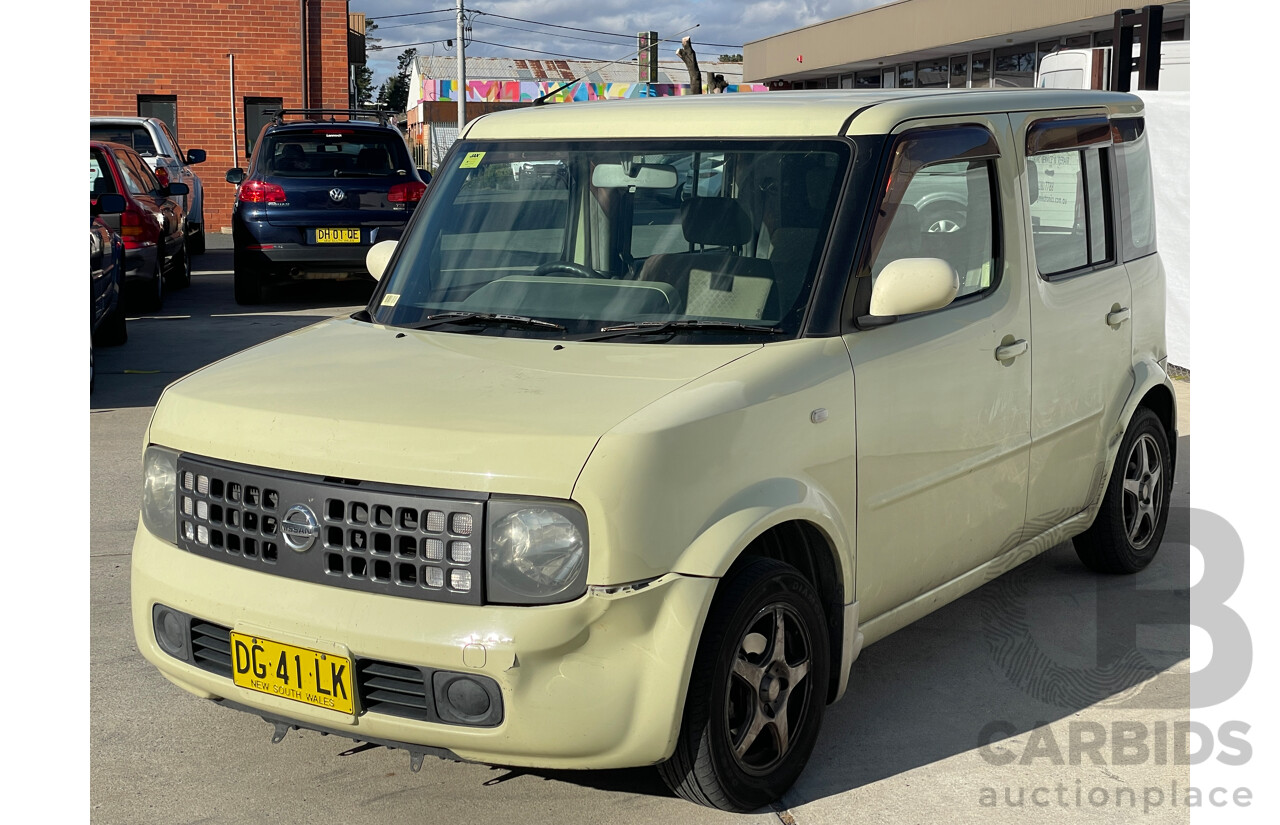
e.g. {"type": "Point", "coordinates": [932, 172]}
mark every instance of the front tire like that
{"type": "Point", "coordinates": [1135, 507]}
{"type": "Point", "coordinates": [112, 332]}
{"type": "Point", "coordinates": [181, 277]}
{"type": "Point", "coordinates": [757, 693]}
{"type": "Point", "coordinates": [153, 295]}
{"type": "Point", "coordinates": [195, 241]}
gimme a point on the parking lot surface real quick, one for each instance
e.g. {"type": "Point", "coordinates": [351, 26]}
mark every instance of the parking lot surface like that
{"type": "Point", "coordinates": [979, 712]}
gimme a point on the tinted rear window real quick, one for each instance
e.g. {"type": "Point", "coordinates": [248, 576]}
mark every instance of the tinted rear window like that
{"type": "Point", "coordinates": [135, 137]}
{"type": "Point", "coordinates": [336, 152]}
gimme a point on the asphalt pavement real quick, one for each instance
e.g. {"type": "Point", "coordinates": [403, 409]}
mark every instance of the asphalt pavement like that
{"type": "Point", "coordinates": [988, 710]}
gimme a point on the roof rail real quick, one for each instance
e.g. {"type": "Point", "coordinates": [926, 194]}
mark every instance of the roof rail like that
{"type": "Point", "coordinates": [381, 115]}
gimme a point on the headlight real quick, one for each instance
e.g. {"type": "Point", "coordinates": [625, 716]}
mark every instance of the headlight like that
{"type": "Point", "coordinates": [159, 493]}
{"type": "Point", "coordinates": [536, 552]}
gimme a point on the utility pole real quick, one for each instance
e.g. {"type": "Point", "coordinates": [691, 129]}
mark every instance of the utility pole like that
{"type": "Point", "coordinates": [462, 69]}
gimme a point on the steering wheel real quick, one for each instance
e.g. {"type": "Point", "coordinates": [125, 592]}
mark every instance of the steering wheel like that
{"type": "Point", "coordinates": [569, 268]}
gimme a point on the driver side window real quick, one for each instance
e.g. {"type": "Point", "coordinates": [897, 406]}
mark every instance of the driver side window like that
{"type": "Point", "coordinates": [945, 211]}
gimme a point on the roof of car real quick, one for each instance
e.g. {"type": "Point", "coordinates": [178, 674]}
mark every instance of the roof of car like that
{"type": "Point", "coordinates": [137, 121]}
{"type": "Point", "coordinates": [780, 114]}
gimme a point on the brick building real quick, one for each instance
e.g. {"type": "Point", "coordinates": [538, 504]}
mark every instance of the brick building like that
{"type": "Point", "coordinates": [212, 68]}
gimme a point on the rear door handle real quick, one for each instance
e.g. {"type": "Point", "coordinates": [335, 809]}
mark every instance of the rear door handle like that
{"type": "Point", "coordinates": [1007, 352]}
{"type": "Point", "coordinates": [1116, 317]}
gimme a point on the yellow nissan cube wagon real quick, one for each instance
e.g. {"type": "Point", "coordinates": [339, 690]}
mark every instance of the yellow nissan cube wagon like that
{"type": "Point", "coordinates": [625, 461]}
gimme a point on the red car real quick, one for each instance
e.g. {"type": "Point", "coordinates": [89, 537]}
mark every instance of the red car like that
{"type": "Point", "coordinates": [151, 224]}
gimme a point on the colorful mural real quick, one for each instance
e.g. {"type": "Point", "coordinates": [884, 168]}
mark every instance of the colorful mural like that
{"type": "Point", "coordinates": [520, 91]}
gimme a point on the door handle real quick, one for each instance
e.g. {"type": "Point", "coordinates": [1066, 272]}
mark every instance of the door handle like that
{"type": "Point", "coordinates": [1007, 352]}
{"type": "Point", "coordinates": [1116, 317]}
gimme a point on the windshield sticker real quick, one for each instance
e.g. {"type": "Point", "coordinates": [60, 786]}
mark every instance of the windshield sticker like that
{"type": "Point", "coordinates": [472, 160]}
{"type": "Point", "coordinates": [390, 299]}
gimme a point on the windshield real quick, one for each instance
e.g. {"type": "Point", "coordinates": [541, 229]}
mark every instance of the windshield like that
{"type": "Point", "coordinates": [590, 236]}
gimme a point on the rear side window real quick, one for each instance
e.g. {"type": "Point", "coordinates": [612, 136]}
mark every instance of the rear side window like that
{"type": "Point", "coordinates": [335, 152]}
{"type": "Point", "coordinates": [100, 182]}
{"type": "Point", "coordinates": [1134, 188]}
{"type": "Point", "coordinates": [138, 179]}
{"type": "Point", "coordinates": [1070, 210]}
{"type": "Point", "coordinates": [136, 138]}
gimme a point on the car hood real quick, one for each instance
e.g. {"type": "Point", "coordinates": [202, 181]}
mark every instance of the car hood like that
{"type": "Point", "coordinates": [451, 411]}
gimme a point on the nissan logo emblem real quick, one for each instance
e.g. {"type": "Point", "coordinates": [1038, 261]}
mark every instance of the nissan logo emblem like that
{"type": "Point", "coordinates": [300, 528]}
{"type": "Point", "coordinates": [337, 194]}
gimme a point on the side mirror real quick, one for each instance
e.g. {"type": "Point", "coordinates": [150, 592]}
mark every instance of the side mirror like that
{"type": "Point", "coordinates": [425, 174]}
{"type": "Point", "coordinates": [107, 204]}
{"type": "Point", "coordinates": [910, 285]}
{"type": "Point", "coordinates": [236, 176]}
{"type": "Point", "coordinates": [175, 188]}
{"type": "Point", "coordinates": [195, 156]}
{"type": "Point", "coordinates": [377, 256]}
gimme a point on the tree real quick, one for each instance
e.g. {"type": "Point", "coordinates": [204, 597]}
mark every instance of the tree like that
{"type": "Point", "coordinates": [730, 58]}
{"type": "Point", "coordinates": [365, 92]}
{"type": "Point", "coordinates": [690, 58]}
{"type": "Point", "coordinates": [394, 91]}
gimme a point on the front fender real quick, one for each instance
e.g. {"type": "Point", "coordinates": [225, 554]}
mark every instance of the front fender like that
{"type": "Point", "coordinates": [755, 511]}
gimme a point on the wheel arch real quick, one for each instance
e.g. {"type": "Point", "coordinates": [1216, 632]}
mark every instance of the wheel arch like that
{"type": "Point", "coordinates": [806, 547]}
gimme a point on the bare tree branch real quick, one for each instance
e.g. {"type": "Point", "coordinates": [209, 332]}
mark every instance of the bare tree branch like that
{"type": "Point", "coordinates": [686, 53]}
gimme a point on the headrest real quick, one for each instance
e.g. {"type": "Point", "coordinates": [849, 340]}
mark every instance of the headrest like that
{"type": "Point", "coordinates": [715, 222]}
{"type": "Point", "coordinates": [291, 150]}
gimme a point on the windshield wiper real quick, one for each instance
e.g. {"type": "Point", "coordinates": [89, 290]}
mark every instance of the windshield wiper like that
{"type": "Point", "coordinates": [659, 327]}
{"type": "Point", "coordinates": [485, 318]}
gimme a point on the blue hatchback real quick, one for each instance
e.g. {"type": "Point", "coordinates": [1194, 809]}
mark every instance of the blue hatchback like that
{"type": "Point", "coordinates": [318, 193]}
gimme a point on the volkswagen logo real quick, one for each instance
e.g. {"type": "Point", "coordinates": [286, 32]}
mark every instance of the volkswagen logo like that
{"type": "Point", "coordinates": [336, 194]}
{"type": "Point", "coordinates": [299, 528]}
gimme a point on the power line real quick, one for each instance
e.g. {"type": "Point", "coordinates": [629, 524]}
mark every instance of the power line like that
{"type": "Point", "coordinates": [594, 31]}
{"type": "Point", "coordinates": [409, 14]}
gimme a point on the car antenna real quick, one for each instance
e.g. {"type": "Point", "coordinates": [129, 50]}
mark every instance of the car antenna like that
{"type": "Point", "coordinates": [543, 100]}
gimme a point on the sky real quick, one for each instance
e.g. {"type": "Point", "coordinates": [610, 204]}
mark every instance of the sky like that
{"type": "Point", "coordinates": [722, 26]}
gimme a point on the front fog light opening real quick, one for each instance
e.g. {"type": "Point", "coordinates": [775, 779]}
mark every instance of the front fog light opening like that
{"type": "Point", "coordinates": [464, 699]}
{"type": "Point", "coordinates": [172, 631]}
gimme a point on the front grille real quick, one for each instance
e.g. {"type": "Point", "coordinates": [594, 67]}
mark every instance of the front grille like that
{"type": "Point", "coordinates": [382, 687]}
{"type": "Point", "coordinates": [396, 541]}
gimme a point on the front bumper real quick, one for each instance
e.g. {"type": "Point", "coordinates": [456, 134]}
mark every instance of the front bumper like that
{"type": "Point", "coordinates": [596, 683]}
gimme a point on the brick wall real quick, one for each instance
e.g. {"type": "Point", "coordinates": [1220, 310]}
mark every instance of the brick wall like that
{"type": "Point", "coordinates": [139, 47]}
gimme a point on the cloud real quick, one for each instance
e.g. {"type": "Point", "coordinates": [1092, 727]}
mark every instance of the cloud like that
{"type": "Point", "coordinates": [722, 26]}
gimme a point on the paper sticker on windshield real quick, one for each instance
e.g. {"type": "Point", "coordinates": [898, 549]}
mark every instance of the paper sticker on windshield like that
{"type": "Point", "coordinates": [472, 160]}
{"type": "Point", "coordinates": [390, 299]}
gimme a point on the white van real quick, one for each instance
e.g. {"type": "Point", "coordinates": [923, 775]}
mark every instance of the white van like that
{"type": "Point", "coordinates": [1091, 68]}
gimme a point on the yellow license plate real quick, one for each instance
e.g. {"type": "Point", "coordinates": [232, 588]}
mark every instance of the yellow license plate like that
{"type": "Point", "coordinates": [337, 236]}
{"type": "Point", "coordinates": [298, 673]}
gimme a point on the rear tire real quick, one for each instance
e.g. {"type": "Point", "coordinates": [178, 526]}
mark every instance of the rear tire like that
{"type": "Point", "coordinates": [1130, 524]}
{"type": "Point", "coordinates": [248, 283]}
{"type": "Point", "coordinates": [757, 694]}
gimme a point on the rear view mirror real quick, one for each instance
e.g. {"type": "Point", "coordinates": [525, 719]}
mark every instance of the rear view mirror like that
{"type": "Point", "coordinates": [910, 285]}
{"type": "Point", "coordinates": [643, 176]}
{"type": "Point", "coordinates": [195, 156]}
{"type": "Point", "coordinates": [235, 176]}
{"type": "Point", "coordinates": [107, 204]}
{"type": "Point", "coordinates": [375, 260]}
